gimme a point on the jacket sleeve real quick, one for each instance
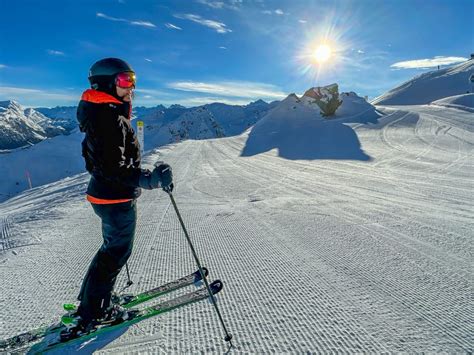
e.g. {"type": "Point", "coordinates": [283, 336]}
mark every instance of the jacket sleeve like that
{"type": "Point", "coordinates": [113, 133]}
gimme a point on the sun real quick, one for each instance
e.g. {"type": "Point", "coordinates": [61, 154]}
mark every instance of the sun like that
{"type": "Point", "coordinates": [322, 53]}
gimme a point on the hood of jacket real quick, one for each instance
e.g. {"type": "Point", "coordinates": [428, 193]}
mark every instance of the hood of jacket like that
{"type": "Point", "coordinates": [90, 98]}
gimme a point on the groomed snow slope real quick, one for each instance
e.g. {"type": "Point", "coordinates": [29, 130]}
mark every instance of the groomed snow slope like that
{"type": "Point", "coordinates": [431, 86]}
{"type": "Point", "coordinates": [317, 256]}
{"type": "Point", "coordinates": [462, 102]}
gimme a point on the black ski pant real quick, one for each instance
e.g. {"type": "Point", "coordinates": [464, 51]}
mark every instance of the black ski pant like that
{"type": "Point", "coordinates": [118, 231]}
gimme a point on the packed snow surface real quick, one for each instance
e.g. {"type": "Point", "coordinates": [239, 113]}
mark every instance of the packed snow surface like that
{"type": "Point", "coordinates": [317, 254]}
{"type": "Point", "coordinates": [462, 102]}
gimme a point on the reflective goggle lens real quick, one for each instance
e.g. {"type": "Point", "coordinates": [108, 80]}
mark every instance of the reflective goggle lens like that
{"type": "Point", "coordinates": [125, 80]}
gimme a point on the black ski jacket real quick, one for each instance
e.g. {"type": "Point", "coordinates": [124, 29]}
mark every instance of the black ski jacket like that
{"type": "Point", "coordinates": [110, 147]}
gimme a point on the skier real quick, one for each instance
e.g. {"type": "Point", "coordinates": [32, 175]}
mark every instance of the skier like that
{"type": "Point", "coordinates": [112, 156]}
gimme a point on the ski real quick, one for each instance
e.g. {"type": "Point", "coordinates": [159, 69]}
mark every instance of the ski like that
{"type": "Point", "coordinates": [126, 301]}
{"type": "Point", "coordinates": [130, 300]}
{"type": "Point", "coordinates": [137, 316]}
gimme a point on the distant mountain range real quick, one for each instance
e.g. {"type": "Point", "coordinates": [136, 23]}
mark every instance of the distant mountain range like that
{"type": "Point", "coordinates": [177, 123]}
{"type": "Point", "coordinates": [24, 127]}
{"type": "Point", "coordinates": [21, 127]}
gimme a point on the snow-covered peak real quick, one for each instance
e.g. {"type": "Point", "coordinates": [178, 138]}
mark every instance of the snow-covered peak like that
{"type": "Point", "coordinates": [63, 116]}
{"type": "Point", "coordinates": [258, 103]}
{"type": "Point", "coordinates": [20, 127]}
{"type": "Point", "coordinates": [176, 106]}
{"type": "Point", "coordinates": [11, 105]}
{"type": "Point", "coordinates": [431, 86]}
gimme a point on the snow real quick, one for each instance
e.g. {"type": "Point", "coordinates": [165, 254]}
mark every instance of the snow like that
{"type": "Point", "coordinates": [462, 102]}
{"type": "Point", "coordinates": [296, 129]}
{"type": "Point", "coordinates": [60, 156]}
{"type": "Point", "coordinates": [317, 255]}
{"type": "Point", "coordinates": [48, 161]}
{"type": "Point", "coordinates": [431, 86]}
{"type": "Point", "coordinates": [344, 235]}
{"type": "Point", "coordinates": [22, 128]}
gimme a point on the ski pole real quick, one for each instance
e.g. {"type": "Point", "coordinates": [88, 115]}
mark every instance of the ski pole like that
{"type": "Point", "coordinates": [130, 282]}
{"type": "Point", "coordinates": [228, 336]}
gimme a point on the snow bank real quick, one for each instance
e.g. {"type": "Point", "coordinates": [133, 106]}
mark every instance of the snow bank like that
{"type": "Point", "coordinates": [430, 86]}
{"type": "Point", "coordinates": [462, 102]}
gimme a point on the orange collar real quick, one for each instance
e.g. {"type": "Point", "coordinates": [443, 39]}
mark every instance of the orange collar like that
{"type": "Point", "coordinates": [99, 97]}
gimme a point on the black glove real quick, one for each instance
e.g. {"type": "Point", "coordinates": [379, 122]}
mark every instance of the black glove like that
{"type": "Point", "coordinates": [164, 174]}
{"type": "Point", "coordinates": [161, 176]}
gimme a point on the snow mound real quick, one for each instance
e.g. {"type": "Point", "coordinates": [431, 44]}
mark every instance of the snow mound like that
{"type": "Point", "coordinates": [462, 102]}
{"type": "Point", "coordinates": [354, 105]}
{"type": "Point", "coordinates": [430, 86]}
{"type": "Point", "coordinates": [297, 130]}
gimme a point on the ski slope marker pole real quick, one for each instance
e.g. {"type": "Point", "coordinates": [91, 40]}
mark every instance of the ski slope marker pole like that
{"type": "Point", "coordinates": [228, 336]}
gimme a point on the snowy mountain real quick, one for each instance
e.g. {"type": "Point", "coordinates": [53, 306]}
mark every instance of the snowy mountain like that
{"type": "Point", "coordinates": [20, 127]}
{"type": "Point", "coordinates": [430, 86]}
{"type": "Point", "coordinates": [235, 119]}
{"type": "Point", "coordinates": [64, 116]}
{"type": "Point", "coordinates": [176, 123]}
{"type": "Point", "coordinates": [194, 123]}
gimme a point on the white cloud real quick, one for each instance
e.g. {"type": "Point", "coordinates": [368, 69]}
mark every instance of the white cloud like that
{"type": "Point", "coordinates": [302, 21]}
{"type": "Point", "coordinates": [213, 4]}
{"type": "Point", "coordinates": [26, 96]}
{"type": "Point", "coordinates": [217, 26]}
{"type": "Point", "coordinates": [428, 63]}
{"type": "Point", "coordinates": [222, 47]}
{"type": "Point", "coordinates": [2, 66]}
{"type": "Point", "coordinates": [277, 12]}
{"type": "Point", "coordinates": [173, 27]}
{"type": "Point", "coordinates": [148, 60]}
{"type": "Point", "coordinates": [142, 23]}
{"type": "Point", "coordinates": [198, 101]}
{"type": "Point", "coordinates": [53, 52]}
{"type": "Point", "coordinates": [239, 89]}
{"type": "Point", "coordinates": [135, 23]}
{"type": "Point", "coordinates": [229, 4]}
{"type": "Point", "coordinates": [360, 51]}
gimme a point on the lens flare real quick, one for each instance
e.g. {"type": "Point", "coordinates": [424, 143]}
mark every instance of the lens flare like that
{"type": "Point", "coordinates": [322, 53]}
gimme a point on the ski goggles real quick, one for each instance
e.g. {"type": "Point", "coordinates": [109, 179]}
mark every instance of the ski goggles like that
{"type": "Point", "coordinates": [125, 80]}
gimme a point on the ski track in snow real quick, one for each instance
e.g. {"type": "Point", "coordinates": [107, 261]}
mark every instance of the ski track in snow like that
{"type": "Point", "coordinates": [316, 256]}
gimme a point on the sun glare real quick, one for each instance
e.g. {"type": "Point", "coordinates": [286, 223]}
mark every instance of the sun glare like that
{"type": "Point", "coordinates": [322, 53]}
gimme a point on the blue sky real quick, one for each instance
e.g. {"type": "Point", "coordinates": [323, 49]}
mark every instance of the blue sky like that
{"type": "Point", "coordinates": [191, 52]}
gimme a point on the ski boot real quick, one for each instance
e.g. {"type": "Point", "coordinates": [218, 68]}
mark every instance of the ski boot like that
{"type": "Point", "coordinates": [74, 326]}
{"type": "Point", "coordinates": [121, 299]}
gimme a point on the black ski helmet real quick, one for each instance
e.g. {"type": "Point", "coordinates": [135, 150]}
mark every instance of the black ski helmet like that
{"type": "Point", "coordinates": [102, 73]}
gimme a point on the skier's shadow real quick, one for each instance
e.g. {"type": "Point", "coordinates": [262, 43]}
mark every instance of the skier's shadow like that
{"type": "Point", "coordinates": [78, 346]}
